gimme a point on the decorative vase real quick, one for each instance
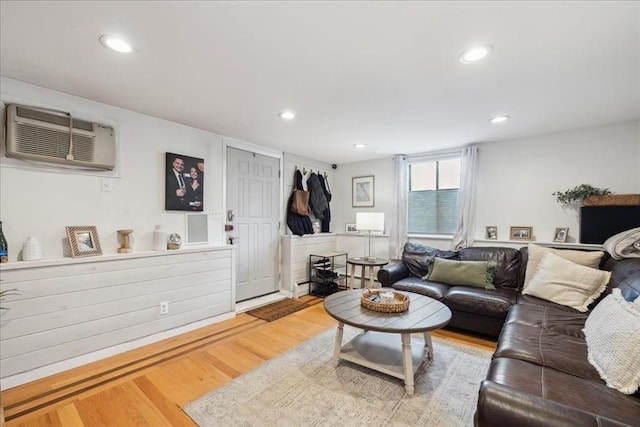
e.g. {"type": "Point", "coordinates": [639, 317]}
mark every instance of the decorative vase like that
{"type": "Point", "coordinates": [32, 249]}
{"type": "Point", "coordinates": [159, 238]}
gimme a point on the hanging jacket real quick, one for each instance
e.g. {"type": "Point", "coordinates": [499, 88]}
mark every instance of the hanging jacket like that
{"type": "Point", "coordinates": [317, 199]}
{"type": "Point", "coordinates": [298, 224]}
{"type": "Point", "coordinates": [324, 224]}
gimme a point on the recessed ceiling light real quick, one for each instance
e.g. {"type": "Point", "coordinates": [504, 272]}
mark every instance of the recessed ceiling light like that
{"type": "Point", "coordinates": [288, 115]}
{"type": "Point", "coordinates": [499, 119]}
{"type": "Point", "coordinates": [359, 145]}
{"type": "Point", "coordinates": [475, 54]}
{"type": "Point", "coordinates": [115, 43]}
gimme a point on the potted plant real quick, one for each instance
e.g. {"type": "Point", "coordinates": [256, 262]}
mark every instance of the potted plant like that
{"type": "Point", "coordinates": [579, 193]}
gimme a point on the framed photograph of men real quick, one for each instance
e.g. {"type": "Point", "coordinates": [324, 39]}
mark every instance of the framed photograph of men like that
{"type": "Point", "coordinates": [184, 183]}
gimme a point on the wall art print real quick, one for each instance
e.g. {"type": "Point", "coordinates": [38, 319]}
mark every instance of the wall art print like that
{"type": "Point", "coordinates": [184, 183]}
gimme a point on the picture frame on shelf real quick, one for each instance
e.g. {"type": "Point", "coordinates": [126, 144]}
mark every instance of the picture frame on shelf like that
{"type": "Point", "coordinates": [491, 232]}
{"type": "Point", "coordinates": [561, 234]}
{"type": "Point", "coordinates": [350, 229]}
{"type": "Point", "coordinates": [83, 240]}
{"type": "Point", "coordinates": [521, 233]}
{"type": "Point", "coordinates": [363, 191]}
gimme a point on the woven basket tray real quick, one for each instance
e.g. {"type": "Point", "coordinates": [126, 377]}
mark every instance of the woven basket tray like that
{"type": "Point", "coordinates": [613, 200]}
{"type": "Point", "coordinates": [400, 302]}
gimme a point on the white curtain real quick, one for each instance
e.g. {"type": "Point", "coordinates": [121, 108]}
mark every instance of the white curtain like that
{"type": "Point", "coordinates": [398, 228]}
{"type": "Point", "coordinates": [463, 236]}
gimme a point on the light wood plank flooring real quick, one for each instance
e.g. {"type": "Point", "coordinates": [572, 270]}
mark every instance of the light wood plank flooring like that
{"type": "Point", "coordinates": [149, 386]}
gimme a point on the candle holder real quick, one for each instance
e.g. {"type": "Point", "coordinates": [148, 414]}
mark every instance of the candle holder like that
{"type": "Point", "coordinates": [125, 247]}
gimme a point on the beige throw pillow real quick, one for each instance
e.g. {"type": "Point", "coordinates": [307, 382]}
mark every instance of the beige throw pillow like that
{"type": "Point", "coordinates": [564, 282]}
{"type": "Point", "coordinates": [612, 333]}
{"type": "Point", "coordinates": [587, 258]}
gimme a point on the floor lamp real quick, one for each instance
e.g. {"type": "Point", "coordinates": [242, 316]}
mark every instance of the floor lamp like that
{"type": "Point", "coordinates": [370, 221]}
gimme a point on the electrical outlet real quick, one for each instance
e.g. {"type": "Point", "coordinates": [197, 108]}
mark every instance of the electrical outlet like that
{"type": "Point", "coordinates": [164, 307]}
{"type": "Point", "coordinates": [105, 185]}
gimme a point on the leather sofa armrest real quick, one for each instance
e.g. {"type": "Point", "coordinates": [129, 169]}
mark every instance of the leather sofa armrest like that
{"type": "Point", "coordinates": [499, 405]}
{"type": "Point", "coordinates": [392, 273]}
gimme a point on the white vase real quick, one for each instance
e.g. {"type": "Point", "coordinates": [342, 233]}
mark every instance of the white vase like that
{"type": "Point", "coordinates": [159, 238]}
{"type": "Point", "coordinates": [32, 249]}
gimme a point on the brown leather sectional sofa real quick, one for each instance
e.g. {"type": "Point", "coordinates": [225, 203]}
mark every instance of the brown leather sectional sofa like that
{"type": "Point", "coordinates": [539, 375]}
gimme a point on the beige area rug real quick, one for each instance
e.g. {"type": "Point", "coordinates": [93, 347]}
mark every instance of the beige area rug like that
{"type": "Point", "coordinates": [277, 310]}
{"type": "Point", "coordinates": [303, 388]}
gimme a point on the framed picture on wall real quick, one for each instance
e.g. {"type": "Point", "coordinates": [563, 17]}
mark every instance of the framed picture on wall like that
{"type": "Point", "coordinates": [362, 191]}
{"type": "Point", "coordinates": [521, 233]}
{"type": "Point", "coordinates": [184, 183]}
{"type": "Point", "coordinates": [351, 229]}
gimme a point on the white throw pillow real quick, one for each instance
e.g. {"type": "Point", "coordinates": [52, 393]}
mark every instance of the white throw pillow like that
{"type": "Point", "coordinates": [587, 258]}
{"type": "Point", "coordinates": [564, 282]}
{"type": "Point", "coordinates": [636, 302]}
{"type": "Point", "coordinates": [612, 332]}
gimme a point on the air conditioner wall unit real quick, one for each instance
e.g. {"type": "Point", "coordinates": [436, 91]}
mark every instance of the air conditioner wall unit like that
{"type": "Point", "coordinates": [55, 137]}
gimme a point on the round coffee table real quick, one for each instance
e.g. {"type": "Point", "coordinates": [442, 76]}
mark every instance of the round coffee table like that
{"type": "Point", "coordinates": [364, 263]}
{"type": "Point", "coordinates": [386, 345]}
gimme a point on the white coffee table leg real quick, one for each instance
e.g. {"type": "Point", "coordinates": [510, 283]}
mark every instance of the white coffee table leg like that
{"type": "Point", "coordinates": [407, 364]}
{"type": "Point", "coordinates": [353, 276]}
{"type": "Point", "coordinates": [428, 346]}
{"type": "Point", "coordinates": [338, 344]}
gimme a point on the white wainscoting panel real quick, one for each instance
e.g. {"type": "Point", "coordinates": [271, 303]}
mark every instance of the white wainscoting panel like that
{"type": "Point", "coordinates": [295, 260]}
{"type": "Point", "coordinates": [68, 308]}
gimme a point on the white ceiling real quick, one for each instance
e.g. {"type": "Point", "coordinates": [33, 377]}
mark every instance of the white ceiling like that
{"type": "Point", "coordinates": [385, 74]}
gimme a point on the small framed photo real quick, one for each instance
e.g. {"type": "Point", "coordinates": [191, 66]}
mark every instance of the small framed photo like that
{"type": "Point", "coordinates": [362, 191]}
{"type": "Point", "coordinates": [560, 235]}
{"type": "Point", "coordinates": [521, 233]}
{"type": "Point", "coordinates": [83, 240]}
{"type": "Point", "coordinates": [351, 229]}
{"type": "Point", "coordinates": [491, 232]}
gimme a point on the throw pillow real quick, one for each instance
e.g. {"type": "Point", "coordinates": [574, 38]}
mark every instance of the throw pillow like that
{"type": "Point", "coordinates": [471, 273]}
{"type": "Point", "coordinates": [612, 333]}
{"type": "Point", "coordinates": [587, 258]}
{"type": "Point", "coordinates": [567, 283]}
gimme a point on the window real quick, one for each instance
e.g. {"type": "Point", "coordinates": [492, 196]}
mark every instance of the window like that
{"type": "Point", "coordinates": [433, 196]}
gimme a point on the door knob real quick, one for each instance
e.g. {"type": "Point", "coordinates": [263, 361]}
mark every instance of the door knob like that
{"type": "Point", "coordinates": [233, 239]}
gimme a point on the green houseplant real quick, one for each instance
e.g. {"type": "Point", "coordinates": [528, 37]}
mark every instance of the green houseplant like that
{"type": "Point", "coordinates": [578, 193]}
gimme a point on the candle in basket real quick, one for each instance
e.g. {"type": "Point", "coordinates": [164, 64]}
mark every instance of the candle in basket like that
{"type": "Point", "coordinates": [387, 297]}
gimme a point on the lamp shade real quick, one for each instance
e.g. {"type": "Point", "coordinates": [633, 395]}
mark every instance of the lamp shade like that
{"type": "Point", "coordinates": [370, 221]}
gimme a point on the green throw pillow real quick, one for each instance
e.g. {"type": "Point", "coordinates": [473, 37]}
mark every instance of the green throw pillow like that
{"type": "Point", "coordinates": [471, 273]}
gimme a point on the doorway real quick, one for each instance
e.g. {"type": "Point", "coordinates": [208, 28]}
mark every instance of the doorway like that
{"type": "Point", "coordinates": [253, 208]}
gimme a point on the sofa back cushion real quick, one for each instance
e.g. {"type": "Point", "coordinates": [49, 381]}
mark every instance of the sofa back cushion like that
{"type": "Point", "coordinates": [417, 257]}
{"type": "Point", "coordinates": [507, 260]}
{"type": "Point", "coordinates": [625, 275]}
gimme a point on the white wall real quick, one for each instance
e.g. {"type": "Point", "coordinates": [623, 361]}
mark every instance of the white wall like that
{"type": "Point", "coordinates": [517, 177]}
{"type": "Point", "coordinates": [36, 202]}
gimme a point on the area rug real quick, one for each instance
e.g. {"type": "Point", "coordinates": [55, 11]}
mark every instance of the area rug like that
{"type": "Point", "coordinates": [277, 310]}
{"type": "Point", "coordinates": [303, 388]}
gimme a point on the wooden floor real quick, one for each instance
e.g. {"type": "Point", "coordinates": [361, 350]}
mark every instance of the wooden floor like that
{"type": "Point", "coordinates": [149, 386]}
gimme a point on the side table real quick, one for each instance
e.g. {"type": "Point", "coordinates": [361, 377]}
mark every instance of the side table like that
{"type": "Point", "coordinates": [378, 262]}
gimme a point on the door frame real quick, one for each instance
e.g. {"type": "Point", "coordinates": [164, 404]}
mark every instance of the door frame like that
{"type": "Point", "coordinates": [257, 149]}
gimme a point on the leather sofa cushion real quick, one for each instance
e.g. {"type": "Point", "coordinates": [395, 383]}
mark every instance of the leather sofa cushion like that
{"type": "Point", "coordinates": [550, 384]}
{"type": "Point", "coordinates": [546, 347]}
{"type": "Point", "coordinates": [416, 257]}
{"type": "Point", "coordinates": [494, 303]}
{"type": "Point", "coordinates": [528, 299]}
{"type": "Point", "coordinates": [433, 290]}
{"type": "Point", "coordinates": [547, 317]}
{"type": "Point", "coordinates": [508, 263]}
{"type": "Point", "coordinates": [625, 274]}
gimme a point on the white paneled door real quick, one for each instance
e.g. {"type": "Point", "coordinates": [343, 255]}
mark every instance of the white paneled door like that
{"type": "Point", "coordinates": [253, 211]}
